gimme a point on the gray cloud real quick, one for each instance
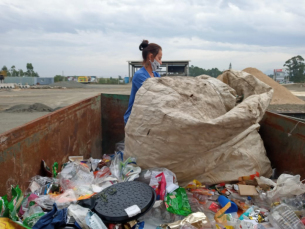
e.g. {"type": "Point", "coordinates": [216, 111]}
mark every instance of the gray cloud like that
{"type": "Point", "coordinates": [72, 35]}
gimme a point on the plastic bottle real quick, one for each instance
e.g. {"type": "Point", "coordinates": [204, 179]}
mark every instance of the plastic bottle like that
{"type": "Point", "coordinates": [283, 217]}
{"type": "Point", "coordinates": [249, 201]}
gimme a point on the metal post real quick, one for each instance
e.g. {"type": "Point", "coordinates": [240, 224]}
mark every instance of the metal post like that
{"type": "Point", "coordinates": [187, 70]}
{"type": "Point", "coordinates": [129, 71]}
{"type": "Point", "coordinates": [166, 69]}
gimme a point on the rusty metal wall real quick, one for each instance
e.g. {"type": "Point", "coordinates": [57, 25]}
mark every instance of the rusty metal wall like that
{"type": "Point", "coordinates": [73, 130]}
{"type": "Point", "coordinates": [93, 126]}
{"type": "Point", "coordinates": [113, 110]}
{"type": "Point", "coordinates": [286, 151]}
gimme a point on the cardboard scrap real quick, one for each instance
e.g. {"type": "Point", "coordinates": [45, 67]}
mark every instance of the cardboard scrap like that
{"type": "Point", "coordinates": [247, 190]}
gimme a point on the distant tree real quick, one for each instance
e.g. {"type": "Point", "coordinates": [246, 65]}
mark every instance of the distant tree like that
{"type": "Point", "coordinates": [13, 71]}
{"type": "Point", "coordinates": [4, 68]}
{"type": "Point", "coordinates": [29, 69]}
{"type": "Point", "coordinates": [196, 71]}
{"type": "Point", "coordinates": [295, 68]}
{"type": "Point", "coordinates": [58, 78]}
{"type": "Point", "coordinates": [230, 66]}
{"type": "Point", "coordinates": [29, 66]}
{"type": "Point", "coordinates": [102, 81]}
{"type": "Point", "coordinates": [20, 72]}
{"type": "Point", "coordinates": [120, 78]}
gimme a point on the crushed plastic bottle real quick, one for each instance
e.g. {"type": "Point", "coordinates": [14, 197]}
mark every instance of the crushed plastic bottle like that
{"type": "Point", "coordinates": [283, 217]}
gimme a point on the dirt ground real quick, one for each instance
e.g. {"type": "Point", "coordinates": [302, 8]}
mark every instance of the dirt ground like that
{"type": "Point", "coordinates": [299, 91]}
{"type": "Point", "coordinates": [53, 98]}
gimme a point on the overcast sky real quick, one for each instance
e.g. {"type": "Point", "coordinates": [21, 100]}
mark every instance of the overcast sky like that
{"type": "Point", "coordinates": [97, 37]}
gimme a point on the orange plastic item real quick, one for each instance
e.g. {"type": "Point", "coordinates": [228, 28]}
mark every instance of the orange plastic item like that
{"type": "Point", "coordinates": [194, 184]}
{"type": "Point", "coordinates": [250, 177]}
{"type": "Point", "coordinates": [202, 191]}
{"type": "Point", "coordinates": [84, 197]}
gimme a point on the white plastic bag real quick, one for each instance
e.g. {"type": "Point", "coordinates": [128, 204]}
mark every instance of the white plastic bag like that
{"type": "Point", "coordinates": [79, 213]}
{"type": "Point", "coordinates": [286, 185]}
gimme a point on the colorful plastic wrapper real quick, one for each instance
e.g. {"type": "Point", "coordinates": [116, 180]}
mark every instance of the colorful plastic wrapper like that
{"type": "Point", "coordinates": [147, 176]}
{"type": "Point", "coordinates": [55, 169]}
{"type": "Point", "coordinates": [220, 216]}
{"type": "Point", "coordinates": [194, 184]}
{"type": "Point", "coordinates": [177, 202]}
{"type": "Point", "coordinates": [3, 206]}
{"type": "Point", "coordinates": [15, 203]}
{"type": "Point", "coordinates": [214, 207]}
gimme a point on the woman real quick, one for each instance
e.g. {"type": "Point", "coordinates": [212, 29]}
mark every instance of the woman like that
{"type": "Point", "coordinates": [152, 55]}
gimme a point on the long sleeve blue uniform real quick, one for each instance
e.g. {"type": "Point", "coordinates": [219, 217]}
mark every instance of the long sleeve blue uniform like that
{"type": "Point", "coordinates": [138, 79]}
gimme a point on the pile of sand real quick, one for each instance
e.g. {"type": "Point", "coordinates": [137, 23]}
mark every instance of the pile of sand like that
{"type": "Point", "coordinates": [68, 84]}
{"type": "Point", "coordinates": [281, 94]}
{"type": "Point", "coordinates": [36, 107]}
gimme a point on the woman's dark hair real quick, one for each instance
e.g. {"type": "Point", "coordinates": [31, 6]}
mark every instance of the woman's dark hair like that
{"type": "Point", "coordinates": [147, 48]}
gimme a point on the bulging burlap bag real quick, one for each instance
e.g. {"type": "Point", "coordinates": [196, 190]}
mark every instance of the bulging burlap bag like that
{"type": "Point", "coordinates": [193, 126]}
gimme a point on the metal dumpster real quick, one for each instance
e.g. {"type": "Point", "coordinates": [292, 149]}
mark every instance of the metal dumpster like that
{"type": "Point", "coordinates": [92, 127]}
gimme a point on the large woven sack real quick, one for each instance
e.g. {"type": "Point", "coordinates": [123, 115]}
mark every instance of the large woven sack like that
{"type": "Point", "coordinates": [193, 126]}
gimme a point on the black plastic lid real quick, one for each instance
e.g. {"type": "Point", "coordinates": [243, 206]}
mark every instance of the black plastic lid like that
{"type": "Point", "coordinates": [112, 201]}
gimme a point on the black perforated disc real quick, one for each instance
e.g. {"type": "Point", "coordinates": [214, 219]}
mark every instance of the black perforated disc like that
{"type": "Point", "coordinates": [112, 201]}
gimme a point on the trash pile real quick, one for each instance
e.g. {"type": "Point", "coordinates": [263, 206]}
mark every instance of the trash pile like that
{"type": "Point", "coordinates": [114, 193]}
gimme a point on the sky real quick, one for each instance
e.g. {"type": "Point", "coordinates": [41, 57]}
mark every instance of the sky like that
{"type": "Point", "coordinates": [97, 37]}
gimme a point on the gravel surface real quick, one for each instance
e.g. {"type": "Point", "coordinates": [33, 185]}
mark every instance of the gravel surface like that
{"type": "Point", "coordinates": [36, 107]}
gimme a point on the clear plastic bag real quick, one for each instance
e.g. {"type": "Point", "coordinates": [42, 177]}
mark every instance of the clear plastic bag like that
{"type": "Point", "coordinates": [83, 191]}
{"type": "Point", "coordinates": [83, 178]}
{"type": "Point", "coordinates": [40, 185]}
{"type": "Point", "coordinates": [75, 174]}
{"type": "Point", "coordinates": [66, 199]}
{"type": "Point", "coordinates": [115, 167]}
{"type": "Point", "coordinates": [45, 201]}
{"type": "Point", "coordinates": [66, 175]}
{"type": "Point", "coordinates": [194, 203]}
{"type": "Point", "coordinates": [101, 175]}
{"type": "Point", "coordinates": [130, 170]}
{"type": "Point", "coordinates": [159, 215]}
{"type": "Point", "coordinates": [120, 147]}
{"type": "Point", "coordinates": [94, 163]}
{"type": "Point", "coordinates": [32, 210]}
{"type": "Point", "coordinates": [31, 217]}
